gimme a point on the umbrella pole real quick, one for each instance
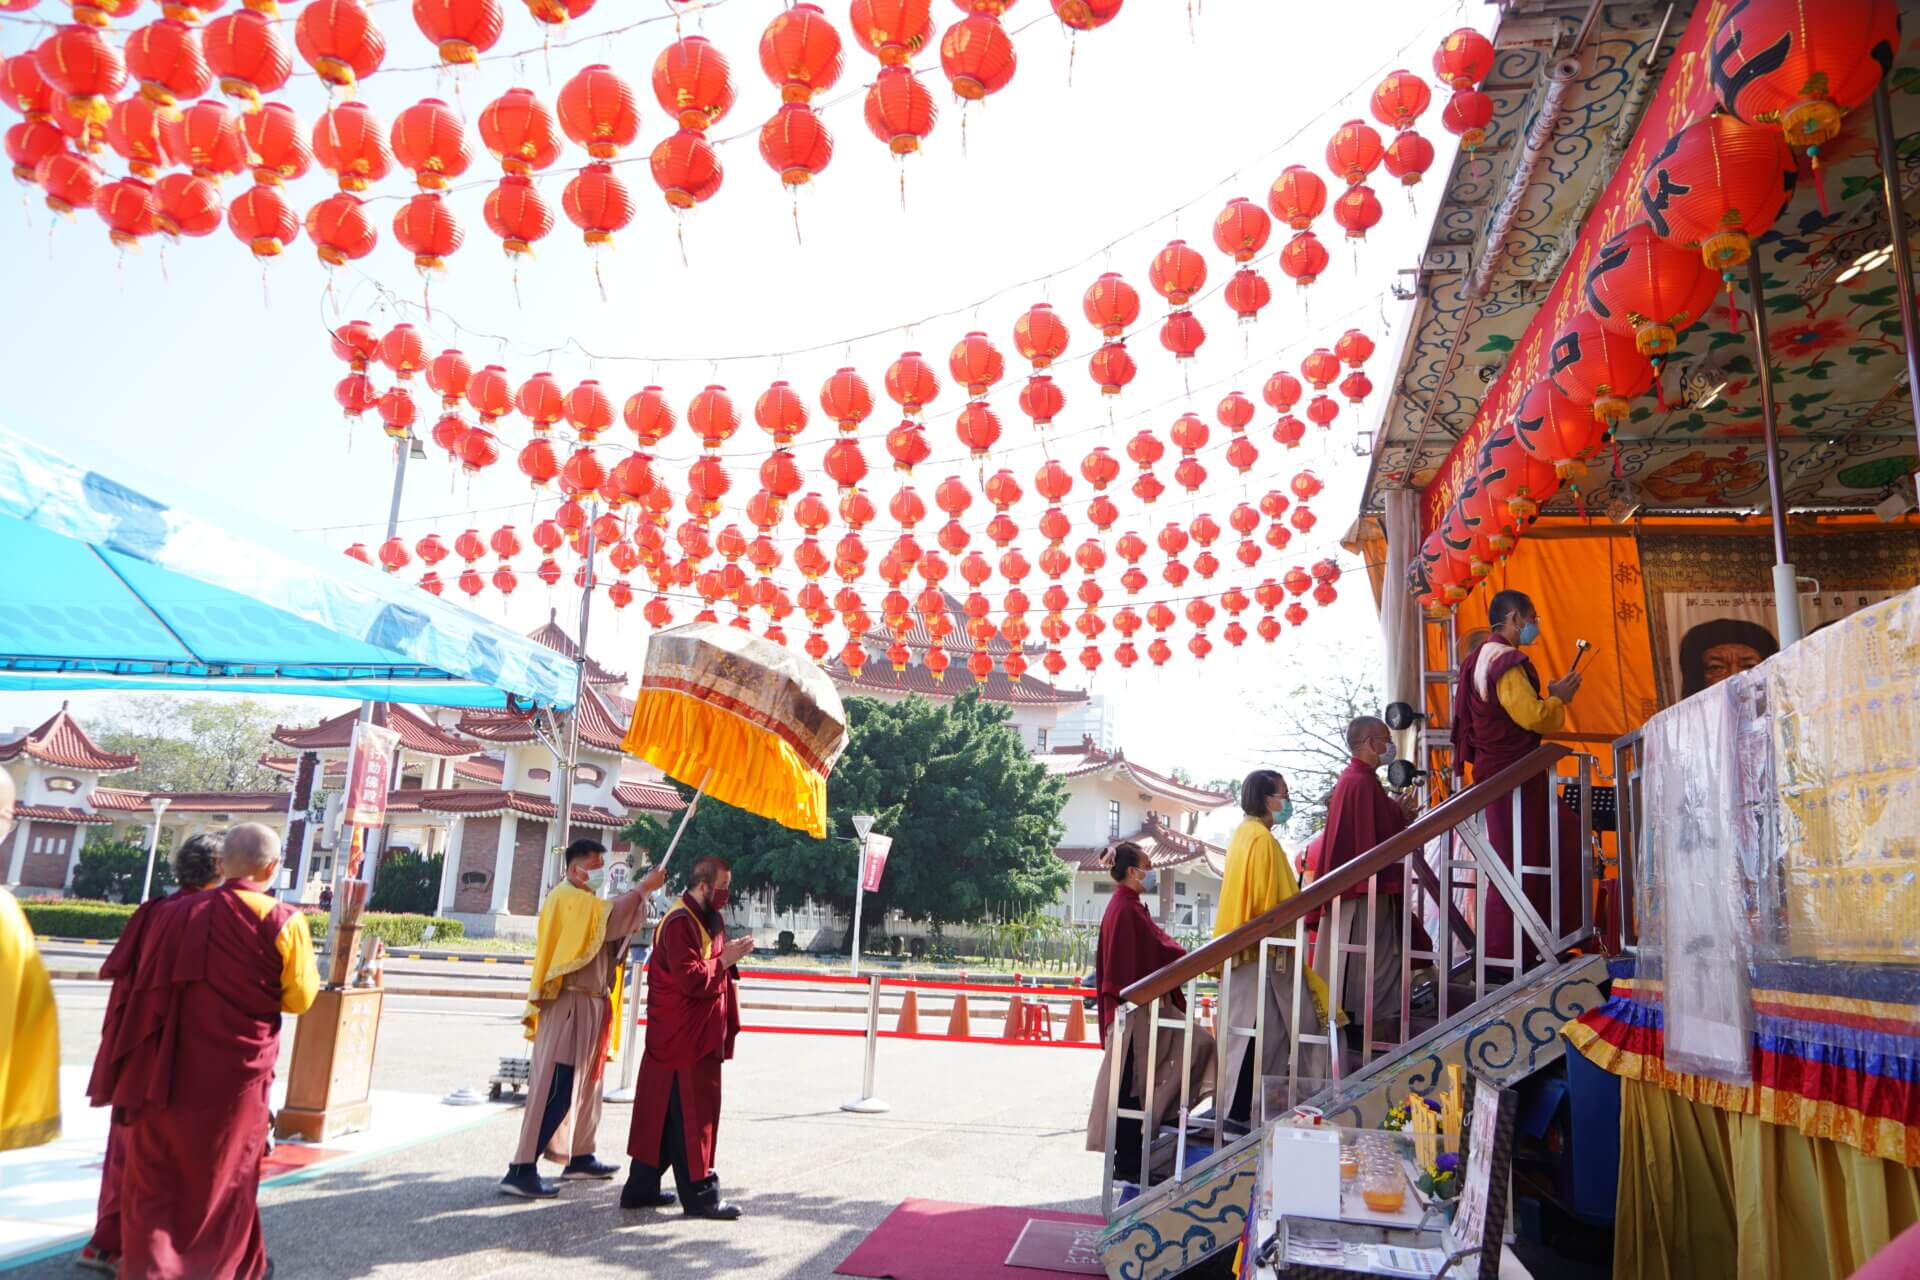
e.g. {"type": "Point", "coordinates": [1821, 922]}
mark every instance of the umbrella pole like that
{"type": "Point", "coordinates": [687, 817]}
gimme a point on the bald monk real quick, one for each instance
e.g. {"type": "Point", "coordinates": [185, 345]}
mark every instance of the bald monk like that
{"type": "Point", "coordinates": [29, 1026]}
{"type": "Point", "coordinates": [191, 1062]}
{"type": "Point", "coordinates": [572, 1002]}
{"type": "Point", "coordinates": [693, 1017]}
{"type": "Point", "coordinates": [196, 867]}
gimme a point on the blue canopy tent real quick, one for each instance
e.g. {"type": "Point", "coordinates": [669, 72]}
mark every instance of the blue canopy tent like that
{"type": "Point", "coordinates": [108, 586]}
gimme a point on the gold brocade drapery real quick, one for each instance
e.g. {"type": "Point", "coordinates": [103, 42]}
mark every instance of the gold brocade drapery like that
{"type": "Point", "coordinates": [1708, 1194]}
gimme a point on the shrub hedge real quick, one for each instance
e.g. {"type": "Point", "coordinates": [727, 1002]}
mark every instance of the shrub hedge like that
{"type": "Point", "coordinates": [78, 918]}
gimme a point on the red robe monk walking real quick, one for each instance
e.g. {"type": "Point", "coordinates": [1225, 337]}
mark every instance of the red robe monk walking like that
{"type": "Point", "coordinates": [573, 1000]}
{"type": "Point", "coordinates": [1499, 717]}
{"type": "Point", "coordinates": [1360, 815]}
{"type": "Point", "coordinates": [191, 1062]}
{"type": "Point", "coordinates": [693, 1017]}
{"type": "Point", "coordinates": [196, 866]}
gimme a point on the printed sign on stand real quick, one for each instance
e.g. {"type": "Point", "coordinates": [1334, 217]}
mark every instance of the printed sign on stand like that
{"type": "Point", "coordinates": [368, 774]}
{"type": "Point", "coordinates": [874, 862]}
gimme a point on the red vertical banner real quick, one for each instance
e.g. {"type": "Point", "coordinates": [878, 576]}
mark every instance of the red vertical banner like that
{"type": "Point", "coordinates": [369, 769]}
{"type": "Point", "coordinates": [874, 862]}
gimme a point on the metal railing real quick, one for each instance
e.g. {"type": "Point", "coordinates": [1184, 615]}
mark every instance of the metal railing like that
{"type": "Point", "coordinates": [1629, 771]}
{"type": "Point", "coordinates": [1448, 863]}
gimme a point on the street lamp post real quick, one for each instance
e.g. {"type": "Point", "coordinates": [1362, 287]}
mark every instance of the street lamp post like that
{"type": "Point", "coordinates": [159, 805]}
{"type": "Point", "coordinates": [862, 824]}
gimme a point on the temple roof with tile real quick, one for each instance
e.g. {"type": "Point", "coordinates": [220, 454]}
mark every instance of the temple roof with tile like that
{"type": "Point", "coordinates": [417, 733]}
{"type": "Point", "coordinates": [1164, 847]}
{"type": "Point", "coordinates": [61, 742]}
{"type": "Point", "coordinates": [1084, 759]}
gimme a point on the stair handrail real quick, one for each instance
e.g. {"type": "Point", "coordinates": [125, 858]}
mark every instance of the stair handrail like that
{"type": "Point", "coordinates": [1437, 821]}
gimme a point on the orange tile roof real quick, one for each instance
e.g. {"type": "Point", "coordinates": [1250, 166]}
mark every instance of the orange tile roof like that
{"type": "Point", "coordinates": [1164, 847]}
{"type": "Point", "coordinates": [63, 743]}
{"type": "Point", "coordinates": [417, 733]}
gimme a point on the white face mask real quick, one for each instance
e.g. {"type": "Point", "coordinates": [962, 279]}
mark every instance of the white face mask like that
{"type": "Point", "coordinates": [596, 879]}
{"type": "Point", "coordinates": [1388, 755]}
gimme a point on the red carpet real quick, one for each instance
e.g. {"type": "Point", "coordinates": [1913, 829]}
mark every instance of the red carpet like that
{"type": "Point", "coordinates": [940, 1240]}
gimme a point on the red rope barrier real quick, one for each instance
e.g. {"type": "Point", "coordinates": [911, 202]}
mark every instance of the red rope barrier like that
{"type": "Point", "coordinates": [924, 984]}
{"type": "Point", "coordinates": [860, 1032]}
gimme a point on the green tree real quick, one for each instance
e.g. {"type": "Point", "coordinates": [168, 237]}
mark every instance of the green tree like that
{"type": "Point", "coordinates": [111, 871]}
{"type": "Point", "coordinates": [194, 744]}
{"type": "Point", "coordinates": [974, 820]}
{"type": "Point", "coordinates": [1313, 750]}
{"type": "Point", "coordinates": [407, 883]}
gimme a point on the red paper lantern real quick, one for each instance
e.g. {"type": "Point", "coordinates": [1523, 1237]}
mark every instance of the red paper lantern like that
{"type": "Point", "coordinates": [1463, 59]}
{"type": "Point", "coordinates": [712, 416]}
{"type": "Point", "coordinates": [1289, 431]}
{"type": "Point", "coordinates": [1321, 411]}
{"type": "Point", "coordinates": [1595, 366]}
{"type": "Point", "coordinates": [648, 416]}
{"type": "Point", "coordinates": [1247, 292]}
{"type": "Point", "coordinates": [1643, 285]}
{"type": "Point", "coordinates": [1178, 272]}
{"type": "Point", "coordinates": [911, 382]}
{"type": "Point", "coordinates": [1515, 478]}
{"type": "Point", "coordinates": [1353, 152]}
{"type": "Point", "coordinates": [1399, 100]}
{"type": "Point", "coordinates": [1182, 334]}
{"type": "Point", "coordinates": [1306, 486]}
{"type": "Point", "coordinates": [781, 413]}
{"type": "Point", "coordinates": [900, 110]}
{"type": "Point", "coordinates": [1358, 211]}
{"type": "Point", "coordinates": [1041, 399]}
{"type": "Point", "coordinates": [597, 202]}
{"type": "Point", "coordinates": [692, 82]}
{"type": "Point", "coordinates": [686, 169]}
{"type": "Point", "coordinates": [978, 428]}
{"type": "Point", "coordinates": [845, 398]}
{"type": "Point", "coordinates": [515, 212]}
{"type": "Point", "coordinates": [540, 401]}
{"type": "Point", "coordinates": [598, 112]}
{"type": "Point", "coordinates": [1241, 229]}
{"type": "Point", "coordinates": [1800, 65]}
{"type": "Point", "coordinates": [280, 152]}
{"type": "Point", "coordinates": [538, 462]}
{"type": "Point", "coordinates": [207, 139]}
{"type": "Point", "coordinates": [1100, 468]}
{"type": "Point", "coordinates": [1717, 184]}
{"type": "Point", "coordinates": [1356, 387]}
{"type": "Point", "coordinates": [428, 139]}
{"type": "Point", "coordinates": [340, 229]}
{"type": "Point", "coordinates": [478, 450]}
{"type": "Point", "coordinates": [908, 447]}
{"type": "Point", "coordinates": [1234, 411]}
{"type": "Point", "coordinates": [977, 56]}
{"type": "Point", "coordinates": [166, 58]}
{"type": "Point", "coordinates": [1111, 305]}
{"type": "Point", "coordinates": [519, 130]}
{"type": "Point", "coordinates": [1556, 430]}
{"type": "Point", "coordinates": [1086, 15]}
{"type": "Point", "coordinates": [449, 433]}
{"type": "Point", "coordinates": [1320, 367]}
{"type": "Point", "coordinates": [263, 220]}
{"type": "Point", "coordinates": [355, 394]}
{"type": "Point", "coordinates": [338, 40]}
{"type": "Point", "coordinates": [892, 30]}
{"type": "Point", "coordinates": [128, 209]}
{"type": "Point", "coordinates": [186, 205]}
{"type": "Point", "coordinates": [555, 12]}
{"type": "Point", "coordinates": [1303, 258]}
{"type": "Point", "coordinates": [349, 143]}
{"type": "Point", "coordinates": [588, 410]}
{"type": "Point", "coordinates": [133, 131]}
{"type": "Point", "coordinates": [1467, 114]}
{"type": "Point", "coordinates": [398, 412]}
{"type": "Point", "coordinates": [844, 464]}
{"type": "Point", "coordinates": [800, 52]}
{"type": "Point", "coordinates": [1409, 156]}
{"type": "Point", "coordinates": [246, 55]}
{"type": "Point", "coordinates": [426, 228]}
{"type": "Point", "coordinates": [1282, 391]}
{"type": "Point", "coordinates": [1298, 196]}
{"type": "Point", "coordinates": [795, 144]}
{"type": "Point", "coordinates": [461, 30]}
{"type": "Point", "coordinates": [976, 364]}
{"type": "Point", "coordinates": [1112, 368]}
{"type": "Point", "coordinates": [80, 64]}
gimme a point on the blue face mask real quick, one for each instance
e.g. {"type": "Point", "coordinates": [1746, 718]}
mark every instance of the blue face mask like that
{"type": "Point", "coordinates": [1151, 883]}
{"type": "Point", "coordinates": [1283, 814]}
{"type": "Point", "coordinates": [1529, 633]}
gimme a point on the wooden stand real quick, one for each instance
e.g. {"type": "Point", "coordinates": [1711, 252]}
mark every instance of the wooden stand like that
{"type": "Point", "coordinates": [332, 1073]}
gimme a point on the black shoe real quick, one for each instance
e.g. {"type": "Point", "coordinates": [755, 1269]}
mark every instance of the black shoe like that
{"type": "Point", "coordinates": [524, 1180]}
{"type": "Point", "coordinates": [582, 1168]}
{"type": "Point", "coordinates": [703, 1201]}
{"type": "Point", "coordinates": [643, 1189]}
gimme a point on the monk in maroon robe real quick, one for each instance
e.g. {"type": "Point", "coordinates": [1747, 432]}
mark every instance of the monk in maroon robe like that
{"type": "Point", "coordinates": [1360, 815]}
{"type": "Point", "coordinates": [693, 1018]}
{"type": "Point", "coordinates": [190, 1064]}
{"type": "Point", "coordinates": [1133, 947]}
{"type": "Point", "coordinates": [196, 866]}
{"type": "Point", "coordinates": [1500, 716]}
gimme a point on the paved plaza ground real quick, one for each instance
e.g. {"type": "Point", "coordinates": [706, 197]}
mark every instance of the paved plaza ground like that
{"type": "Point", "coordinates": [980, 1123]}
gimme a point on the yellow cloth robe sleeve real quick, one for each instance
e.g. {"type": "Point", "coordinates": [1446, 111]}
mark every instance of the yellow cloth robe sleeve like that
{"type": "Point", "coordinates": [573, 925]}
{"type": "Point", "coordinates": [299, 973]}
{"type": "Point", "coordinates": [1529, 710]}
{"type": "Point", "coordinates": [1258, 879]}
{"type": "Point", "coordinates": [29, 1037]}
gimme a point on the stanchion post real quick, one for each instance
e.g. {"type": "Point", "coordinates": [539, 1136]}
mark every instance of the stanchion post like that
{"type": "Point", "coordinates": [866, 1103]}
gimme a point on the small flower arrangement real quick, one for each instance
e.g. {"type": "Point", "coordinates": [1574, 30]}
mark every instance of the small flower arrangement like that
{"type": "Point", "coordinates": [1441, 1179]}
{"type": "Point", "coordinates": [1400, 1116]}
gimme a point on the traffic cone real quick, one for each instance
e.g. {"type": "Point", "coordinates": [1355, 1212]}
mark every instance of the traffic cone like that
{"type": "Point", "coordinates": [1077, 1020]}
{"type": "Point", "coordinates": [1014, 1015]}
{"type": "Point", "coordinates": [909, 1024]}
{"type": "Point", "coordinates": [957, 1024]}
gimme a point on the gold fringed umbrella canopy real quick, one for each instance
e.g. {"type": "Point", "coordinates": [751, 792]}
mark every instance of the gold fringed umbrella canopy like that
{"type": "Point", "coordinates": [741, 719]}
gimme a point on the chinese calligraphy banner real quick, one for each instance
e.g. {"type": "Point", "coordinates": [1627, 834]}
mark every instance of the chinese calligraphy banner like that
{"type": "Point", "coordinates": [368, 771]}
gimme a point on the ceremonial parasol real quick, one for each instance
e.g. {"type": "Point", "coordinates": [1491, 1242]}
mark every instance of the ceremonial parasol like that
{"type": "Point", "coordinates": [742, 719]}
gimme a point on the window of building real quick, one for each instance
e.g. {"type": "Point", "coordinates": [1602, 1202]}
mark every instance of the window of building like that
{"type": "Point", "coordinates": [1102, 886]}
{"type": "Point", "coordinates": [1040, 737]}
{"type": "Point", "coordinates": [1180, 887]}
{"type": "Point", "coordinates": [1113, 819]}
{"type": "Point", "coordinates": [592, 775]}
{"type": "Point", "coordinates": [539, 775]}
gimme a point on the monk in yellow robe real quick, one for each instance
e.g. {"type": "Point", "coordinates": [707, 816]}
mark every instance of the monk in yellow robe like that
{"type": "Point", "coordinates": [573, 1003]}
{"type": "Point", "coordinates": [29, 1027]}
{"type": "Point", "coordinates": [1258, 879]}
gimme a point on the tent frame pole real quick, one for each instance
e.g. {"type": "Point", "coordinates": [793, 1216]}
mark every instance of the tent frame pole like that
{"type": "Point", "coordinates": [1786, 590]}
{"type": "Point", "coordinates": [563, 824]}
{"type": "Point", "coordinates": [1902, 257]}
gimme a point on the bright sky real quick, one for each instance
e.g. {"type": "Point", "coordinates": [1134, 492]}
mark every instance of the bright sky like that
{"type": "Point", "coordinates": [196, 366]}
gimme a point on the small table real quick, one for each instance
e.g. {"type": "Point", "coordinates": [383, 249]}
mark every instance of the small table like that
{"type": "Point", "coordinates": [329, 1083]}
